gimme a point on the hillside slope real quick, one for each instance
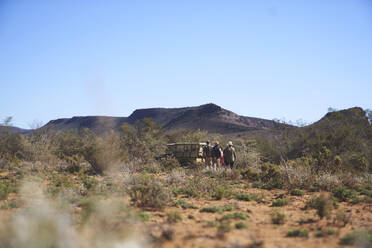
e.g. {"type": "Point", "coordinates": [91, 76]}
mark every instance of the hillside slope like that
{"type": "Point", "coordinates": [209, 117]}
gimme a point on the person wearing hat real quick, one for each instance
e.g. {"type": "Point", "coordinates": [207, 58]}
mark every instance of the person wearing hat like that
{"type": "Point", "coordinates": [207, 154]}
{"type": "Point", "coordinates": [229, 155]}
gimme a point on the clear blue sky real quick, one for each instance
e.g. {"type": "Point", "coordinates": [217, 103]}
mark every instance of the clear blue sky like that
{"type": "Point", "coordinates": [269, 59]}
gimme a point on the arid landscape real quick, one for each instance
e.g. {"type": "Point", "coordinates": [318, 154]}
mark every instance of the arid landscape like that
{"type": "Point", "coordinates": [292, 186]}
{"type": "Point", "coordinates": [182, 124]}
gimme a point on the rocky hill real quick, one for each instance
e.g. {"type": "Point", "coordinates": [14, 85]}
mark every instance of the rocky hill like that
{"type": "Point", "coordinates": [209, 117]}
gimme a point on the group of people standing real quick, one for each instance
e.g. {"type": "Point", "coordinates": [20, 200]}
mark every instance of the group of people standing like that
{"type": "Point", "coordinates": [216, 157]}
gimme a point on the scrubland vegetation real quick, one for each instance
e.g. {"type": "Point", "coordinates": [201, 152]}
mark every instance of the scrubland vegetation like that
{"type": "Point", "coordinates": [309, 186]}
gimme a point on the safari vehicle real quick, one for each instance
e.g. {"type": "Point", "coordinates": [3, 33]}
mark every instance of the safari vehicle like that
{"type": "Point", "coordinates": [186, 152]}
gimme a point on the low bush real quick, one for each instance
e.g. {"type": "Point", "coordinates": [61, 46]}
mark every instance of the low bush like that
{"type": "Point", "coordinates": [326, 181]}
{"type": "Point", "coordinates": [191, 217]}
{"type": "Point", "coordinates": [88, 182]}
{"type": "Point", "coordinates": [280, 202]}
{"type": "Point", "coordinates": [249, 174]}
{"type": "Point", "coordinates": [297, 192]}
{"type": "Point", "coordinates": [4, 191]}
{"type": "Point", "coordinates": [216, 209]}
{"type": "Point", "coordinates": [200, 186]}
{"type": "Point", "coordinates": [274, 183]}
{"type": "Point", "coordinates": [235, 216]}
{"type": "Point", "coordinates": [190, 192]}
{"type": "Point", "coordinates": [223, 228]}
{"type": "Point", "coordinates": [244, 197]}
{"type": "Point", "coordinates": [296, 173]}
{"type": "Point", "coordinates": [342, 218]}
{"type": "Point", "coordinates": [12, 204]}
{"type": "Point", "coordinates": [183, 204]}
{"type": "Point", "coordinates": [143, 216]}
{"type": "Point", "coordinates": [145, 191]}
{"type": "Point", "coordinates": [298, 233]}
{"type": "Point", "coordinates": [220, 192]}
{"type": "Point", "coordinates": [324, 233]}
{"type": "Point", "coordinates": [174, 217]}
{"type": "Point", "coordinates": [343, 194]}
{"type": "Point", "coordinates": [169, 163]}
{"type": "Point", "coordinates": [322, 204]}
{"type": "Point", "coordinates": [362, 238]}
{"type": "Point", "coordinates": [269, 172]}
{"type": "Point", "coordinates": [176, 177]}
{"type": "Point", "coordinates": [240, 225]}
{"type": "Point", "coordinates": [356, 199]}
{"type": "Point", "coordinates": [211, 224]}
{"type": "Point", "coordinates": [366, 192]}
{"type": "Point", "coordinates": [277, 218]}
{"type": "Point", "coordinates": [59, 182]}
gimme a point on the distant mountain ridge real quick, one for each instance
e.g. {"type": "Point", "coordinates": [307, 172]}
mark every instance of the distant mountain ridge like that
{"type": "Point", "coordinates": [209, 117]}
{"type": "Point", "coordinates": [14, 129]}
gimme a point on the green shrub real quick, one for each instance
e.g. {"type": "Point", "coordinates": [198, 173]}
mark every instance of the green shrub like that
{"type": "Point", "coordinates": [322, 204]}
{"type": "Point", "coordinates": [342, 218]}
{"type": "Point", "coordinates": [269, 172]}
{"type": "Point", "coordinates": [297, 192]}
{"type": "Point", "coordinates": [174, 217]}
{"type": "Point", "coordinates": [191, 217]}
{"type": "Point", "coordinates": [277, 218]}
{"type": "Point", "coordinates": [220, 192]}
{"type": "Point", "coordinates": [273, 183]}
{"type": "Point", "coordinates": [356, 199]}
{"type": "Point", "coordinates": [89, 182]}
{"type": "Point", "coordinates": [176, 191]}
{"type": "Point", "coordinates": [359, 163]}
{"type": "Point", "coordinates": [324, 233]}
{"type": "Point", "coordinates": [240, 225]}
{"type": "Point", "coordinates": [12, 204]}
{"type": "Point", "coordinates": [198, 186]}
{"type": "Point", "coordinates": [191, 192]}
{"type": "Point", "coordinates": [244, 197]}
{"type": "Point", "coordinates": [59, 182]}
{"type": "Point", "coordinates": [260, 198]}
{"type": "Point", "coordinates": [216, 209]}
{"type": "Point", "coordinates": [169, 163]}
{"type": "Point", "coordinates": [143, 216]}
{"type": "Point", "coordinates": [4, 191]}
{"type": "Point", "coordinates": [211, 224]}
{"type": "Point", "coordinates": [145, 191]}
{"type": "Point", "coordinates": [298, 233]}
{"type": "Point", "coordinates": [235, 216]}
{"type": "Point", "coordinates": [364, 238]}
{"type": "Point", "coordinates": [223, 227]}
{"type": "Point", "coordinates": [366, 192]}
{"type": "Point", "coordinates": [280, 202]}
{"type": "Point", "coordinates": [227, 208]}
{"type": "Point", "coordinates": [343, 194]}
{"type": "Point", "coordinates": [249, 174]}
{"type": "Point", "coordinates": [183, 204]}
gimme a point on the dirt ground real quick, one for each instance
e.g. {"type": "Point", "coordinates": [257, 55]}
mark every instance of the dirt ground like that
{"type": "Point", "coordinates": [260, 232]}
{"type": "Point", "coordinates": [194, 228]}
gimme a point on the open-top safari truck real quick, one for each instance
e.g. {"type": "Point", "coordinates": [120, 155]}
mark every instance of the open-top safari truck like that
{"type": "Point", "coordinates": [186, 152]}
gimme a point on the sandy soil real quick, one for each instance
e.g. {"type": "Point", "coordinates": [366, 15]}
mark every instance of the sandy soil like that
{"type": "Point", "coordinates": [260, 230]}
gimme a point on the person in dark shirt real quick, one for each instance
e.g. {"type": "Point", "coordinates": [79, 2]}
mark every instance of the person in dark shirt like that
{"type": "Point", "coordinates": [216, 155]}
{"type": "Point", "coordinates": [207, 154]}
